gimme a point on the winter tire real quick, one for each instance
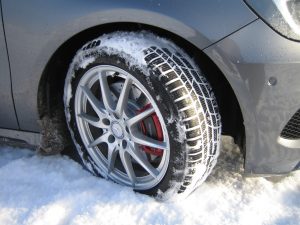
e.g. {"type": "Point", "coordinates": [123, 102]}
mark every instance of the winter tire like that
{"type": "Point", "coordinates": [142, 114]}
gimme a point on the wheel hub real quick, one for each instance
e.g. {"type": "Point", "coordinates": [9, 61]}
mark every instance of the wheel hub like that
{"type": "Point", "coordinates": [117, 130]}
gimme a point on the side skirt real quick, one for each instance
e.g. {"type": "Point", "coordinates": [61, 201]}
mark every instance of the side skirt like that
{"type": "Point", "coordinates": [19, 137]}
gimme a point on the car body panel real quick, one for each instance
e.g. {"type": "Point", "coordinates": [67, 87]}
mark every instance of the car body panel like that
{"type": "Point", "coordinates": [36, 29]}
{"type": "Point", "coordinates": [248, 64]}
{"type": "Point", "coordinates": [7, 112]}
{"type": "Point", "coordinates": [242, 46]}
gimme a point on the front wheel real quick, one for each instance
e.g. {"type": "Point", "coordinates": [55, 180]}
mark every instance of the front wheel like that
{"type": "Point", "coordinates": [141, 114]}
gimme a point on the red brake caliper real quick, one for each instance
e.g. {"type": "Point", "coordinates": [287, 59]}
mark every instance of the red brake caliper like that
{"type": "Point", "coordinates": [151, 127]}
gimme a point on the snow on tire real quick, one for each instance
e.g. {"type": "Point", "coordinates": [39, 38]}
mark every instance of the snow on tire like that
{"type": "Point", "coordinates": [142, 114]}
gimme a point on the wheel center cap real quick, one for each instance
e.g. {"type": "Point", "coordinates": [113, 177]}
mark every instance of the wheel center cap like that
{"type": "Point", "coordinates": [117, 130]}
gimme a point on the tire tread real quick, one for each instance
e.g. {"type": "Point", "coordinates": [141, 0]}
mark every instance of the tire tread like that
{"type": "Point", "coordinates": [194, 99]}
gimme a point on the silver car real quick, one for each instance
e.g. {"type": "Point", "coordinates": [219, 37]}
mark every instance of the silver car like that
{"type": "Point", "coordinates": [140, 92]}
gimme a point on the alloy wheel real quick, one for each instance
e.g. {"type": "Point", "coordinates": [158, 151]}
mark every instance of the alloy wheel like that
{"type": "Point", "coordinates": [121, 127]}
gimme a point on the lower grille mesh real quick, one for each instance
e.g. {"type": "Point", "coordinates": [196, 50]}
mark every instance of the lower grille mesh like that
{"type": "Point", "coordinates": [292, 128]}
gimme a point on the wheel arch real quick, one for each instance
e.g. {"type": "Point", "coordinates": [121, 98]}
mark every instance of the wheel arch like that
{"type": "Point", "coordinates": [50, 90]}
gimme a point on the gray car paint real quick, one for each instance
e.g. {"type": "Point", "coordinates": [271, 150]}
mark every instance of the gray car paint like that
{"type": "Point", "coordinates": [248, 64]}
{"type": "Point", "coordinates": [7, 112]}
{"type": "Point", "coordinates": [35, 29]}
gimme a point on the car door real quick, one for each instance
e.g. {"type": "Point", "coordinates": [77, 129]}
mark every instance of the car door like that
{"type": "Point", "coordinates": [7, 113]}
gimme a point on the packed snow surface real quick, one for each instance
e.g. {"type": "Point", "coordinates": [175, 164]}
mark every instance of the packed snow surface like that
{"type": "Point", "coordinates": [49, 190]}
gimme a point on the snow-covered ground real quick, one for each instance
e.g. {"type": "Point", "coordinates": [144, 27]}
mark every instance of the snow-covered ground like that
{"type": "Point", "coordinates": [36, 189]}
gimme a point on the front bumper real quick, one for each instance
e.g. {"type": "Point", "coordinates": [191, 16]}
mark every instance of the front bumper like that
{"type": "Point", "coordinates": [263, 69]}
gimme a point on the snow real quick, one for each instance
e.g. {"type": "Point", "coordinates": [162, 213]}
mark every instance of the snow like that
{"type": "Point", "coordinates": [56, 190]}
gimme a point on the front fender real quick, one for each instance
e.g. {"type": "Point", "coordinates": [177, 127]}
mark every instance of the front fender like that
{"type": "Point", "coordinates": [36, 29]}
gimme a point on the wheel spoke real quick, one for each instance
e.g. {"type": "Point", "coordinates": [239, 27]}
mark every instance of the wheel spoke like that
{"type": "Point", "coordinates": [138, 156]}
{"type": "Point", "coordinates": [123, 98]}
{"type": "Point", "coordinates": [95, 103]}
{"type": "Point", "coordinates": [134, 120]}
{"type": "Point", "coordinates": [127, 164]}
{"type": "Point", "coordinates": [142, 139]}
{"type": "Point", "coordinates": [94, 121]}
{"type": "Point", "coordinates": [111, 158]}
{"type": "Point", "coordinates": [105, 92]}
{"type": "Point", "coordinates": [103, 138]}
